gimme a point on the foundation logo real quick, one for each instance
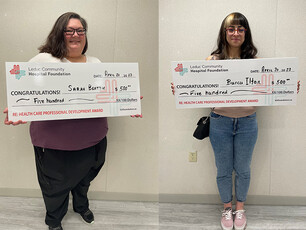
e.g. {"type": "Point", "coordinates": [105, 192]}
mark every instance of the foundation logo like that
{"type": "Point", "coordinates": [17, 72]}
{"type": "Point", "coordinates": [180, 69]}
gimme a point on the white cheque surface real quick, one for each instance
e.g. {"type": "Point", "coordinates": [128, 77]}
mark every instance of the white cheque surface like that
{"type": "Point", "coordinates": [228, 83]}
{"type": "Point", "coordinates": [51, 91]}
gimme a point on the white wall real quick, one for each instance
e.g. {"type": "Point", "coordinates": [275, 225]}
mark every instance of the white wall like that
{"type": "Point", "coordinates": [141, 150]}
{"type": "Point", "coordinates": [188, 31]}
{"type": "Point", "coordinates": [119, 31]}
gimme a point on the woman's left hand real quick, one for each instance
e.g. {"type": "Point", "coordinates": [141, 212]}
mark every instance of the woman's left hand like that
{"type": "Point", "coordinates": [138, 115]}
{"type": "Point", "coordinates": [8, 122]}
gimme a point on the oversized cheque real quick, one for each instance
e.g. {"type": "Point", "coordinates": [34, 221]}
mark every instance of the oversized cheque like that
{"type": "Point", "coordinates": [50, 91]}
{"type": "Point", "coordinates": [225, 83]}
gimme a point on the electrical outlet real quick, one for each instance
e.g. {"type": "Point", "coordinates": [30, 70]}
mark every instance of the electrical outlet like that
{"type": "Point", "coordinates": [193, 156]}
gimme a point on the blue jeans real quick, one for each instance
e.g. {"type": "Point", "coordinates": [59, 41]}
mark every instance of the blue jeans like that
{"type": "Point", "coordinates": [233, 141]}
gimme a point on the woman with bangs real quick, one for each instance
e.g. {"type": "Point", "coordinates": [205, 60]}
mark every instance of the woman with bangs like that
{"type": "Point", "coordinates": [233, 130]}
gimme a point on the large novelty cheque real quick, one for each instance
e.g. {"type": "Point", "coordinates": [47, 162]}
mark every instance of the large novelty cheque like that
{"type": "Point", "coordinates": [227, 83]}
{"type": "Point", "coordinates": [51, 91]}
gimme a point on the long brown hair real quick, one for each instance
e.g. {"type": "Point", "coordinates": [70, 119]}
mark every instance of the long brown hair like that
{"type": "Point", "coordinates": [55, 42]}
{"type": "Point", "coordinates": [248, 49]}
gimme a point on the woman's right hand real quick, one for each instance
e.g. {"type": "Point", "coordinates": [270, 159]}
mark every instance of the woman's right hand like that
{"type": "Point", "coordinates": [173, 88]}
{"type": "Point", "coordinates": [7, 122]}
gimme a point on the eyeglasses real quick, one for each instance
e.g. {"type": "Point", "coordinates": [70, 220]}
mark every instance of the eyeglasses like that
{"type": "Point", "coordinates": [71, 32]}
{"type": "Point", "coordinates": [231, 30]}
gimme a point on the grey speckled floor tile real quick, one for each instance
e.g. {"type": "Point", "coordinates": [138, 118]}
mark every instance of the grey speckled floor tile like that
{"type": "Point", "coordinates": [200, 217]}
{"type": "Point", "coordinates": [28, 214]}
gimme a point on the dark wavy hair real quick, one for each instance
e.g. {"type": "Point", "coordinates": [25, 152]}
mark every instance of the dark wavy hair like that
{"type": "Point", "coordinates": [248, 49]}
{"type": "Point", "coordinates": [55, 42]}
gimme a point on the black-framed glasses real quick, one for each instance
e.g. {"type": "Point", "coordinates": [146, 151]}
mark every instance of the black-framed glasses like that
{"type": "Point", "coordinates": [71, 31]}
{"type": "Point", "coordinates": [231, 30]}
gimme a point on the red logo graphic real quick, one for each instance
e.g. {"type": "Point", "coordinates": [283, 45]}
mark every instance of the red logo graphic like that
{"type": "Point", "coordinates": [17, 72]}
{"type": "Point", "coordinates": [180, 69]}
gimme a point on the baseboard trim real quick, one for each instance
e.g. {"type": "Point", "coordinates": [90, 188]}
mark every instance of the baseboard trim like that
{"type": "Point", "coordinates": [165, 198]}
{"type": "Point", "coordinates": [215, 199]}
{"type": "Point", "coordinates": [118, 196]}
{"type": "Point", "coordinates": [189, 199]}
{"type": "Point", "coordinates": [20, 192]}
{"type": "Point", "coordinates": [95, 195]}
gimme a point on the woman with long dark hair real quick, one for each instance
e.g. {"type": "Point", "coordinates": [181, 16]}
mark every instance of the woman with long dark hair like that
{"type": "Point", "coordinates": [233, 130]}
{"type": "Point", "coordinates": [69, 153]}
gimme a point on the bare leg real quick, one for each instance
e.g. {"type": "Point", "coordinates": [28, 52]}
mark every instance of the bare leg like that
{"type": "Point", "coordinates": [227, 205]}
{"type": "Point", "coordinates": [239, 205]}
